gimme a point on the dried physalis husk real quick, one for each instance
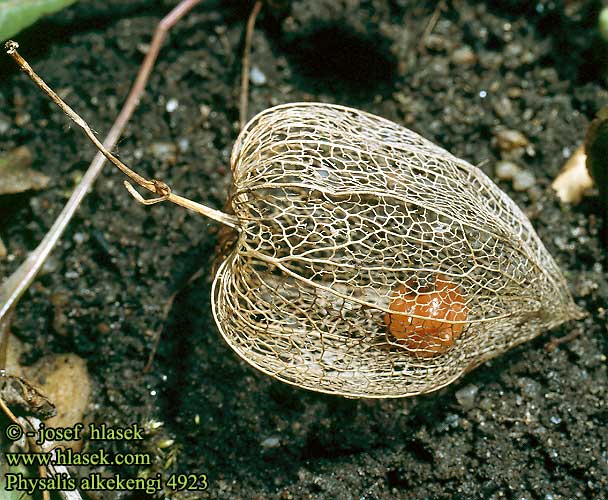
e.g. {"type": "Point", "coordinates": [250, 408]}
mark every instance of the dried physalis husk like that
{"type": "Point", "coordinates": [371, 262]}
{"type": "Point", "coordinates": [368, 262]}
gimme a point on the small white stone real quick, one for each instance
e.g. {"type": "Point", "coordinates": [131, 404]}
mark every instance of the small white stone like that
{"type": "Point", "coordinates": [464, 56]}
{"type": "Point", "coordinates": [172, 105]}
{"type": "Point", "coordinates": [4, 126]}
{"type": "Point", "coordinates": [51, 264]}
{"type": "Point", "coordinates": [256, 76]}
{"type": "Point", "coordinates": [271, 442]}
{"type": "Point", "coordinates": [523, 181]}
{"type": "Point", "coordinates": [183, 144]}
{"type": "Point", "coordinates": [506, 170]}
{"type": "Point", "coordinates": [511, 139]}
{"type": "Point", "coordinates": [79, 238]}
{"type": "Point", "coordinates": [466, 396]}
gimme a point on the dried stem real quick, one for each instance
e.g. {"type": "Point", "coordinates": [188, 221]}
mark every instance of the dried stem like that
{"type": "Point", "coordinates": [157, 187]}
{"type": "Point", "coordinates": [431, 25]}
{"type": "Point", "coordinates": [13, 289]}
{"type": "Point", "coordinates": [5, 325]}
{"type": "Point", "coordinates": [245, 66]}
{"type": "Point", "coordinates": [11, 50]}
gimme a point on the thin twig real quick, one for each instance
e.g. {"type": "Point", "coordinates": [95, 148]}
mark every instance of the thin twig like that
{"type": "Point", "coordinates": [159, 188]}
{"type": "Point", "coordinates": [164, 315]}
{"type": "Point", "coordinates": [244, 98]}
{"type": "Point", "coordinates": [13, 289]}
{"type": "Point", "coordinates": [52, 469]}
{"type": "Point", "coordinates": [7, 411]}
{"type": "Point", "coordinates": [11, 50]}
{"type": "Point", "coordinates": [5, 328]}
{"type": "Point", "coordinates": [43, 470]}
{"type": "Point", "coordinates": [557, 341]}
{"type": "Point", "coordinates": [430, 25]}
{"type": "Point", "coordinates": [245, 65]}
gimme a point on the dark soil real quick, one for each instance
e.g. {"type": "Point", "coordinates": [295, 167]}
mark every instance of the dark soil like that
{"type": "Point", "coordinates": [536, 427]}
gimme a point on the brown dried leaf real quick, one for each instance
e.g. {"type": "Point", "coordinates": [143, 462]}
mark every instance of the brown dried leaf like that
{"type": "Point", "coordinates": [16, 175]}
{"type": "Point", "coordinates": [19, 392]}
{"type": "Point", "coordinates": [65, 378]}
{"type": "Point", "coordinates": [574, 179]}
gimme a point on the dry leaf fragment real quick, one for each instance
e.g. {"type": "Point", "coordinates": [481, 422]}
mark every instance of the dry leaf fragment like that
{"type": "Point", "coordinates": [573, 180]}
{"type": "Point", "coordinates": [19, 392]}
{"type": "Point", "coordinates": [16, 175]}
{"type": "Point", "coordinates": [65, 379]}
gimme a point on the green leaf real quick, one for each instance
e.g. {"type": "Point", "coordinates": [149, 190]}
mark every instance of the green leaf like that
{"type": "Point", "coordinates": [16, 15]}
{"type": "Point", "coordinates": [602, 24]}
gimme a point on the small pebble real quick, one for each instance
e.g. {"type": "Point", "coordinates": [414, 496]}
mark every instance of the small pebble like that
{"type": "Point", "coordinates": [555, 420]}
{"type": "Point", "coordinates": [464, 56]}
{"type": "Point", "coordinates": [507, 170]}
{"type": "Point", "coordinates": [271, 442]}
{"type": "Point", "coordinates": [503, 107]}
{"type": "Point", "coordinates": [514, 92]}
{"type": "Point", "coordinates": [103, 328]}
{"type": "Point", "coordinates": [205, 111]}
{"type": "Point", "coordinates": [22, 119]}
{"type": "Point", "coordinates": [508, 139]}
{"type": "Point", "coordinates": [529, 387]}
{"type": "Point", "coordinates": [183, 144]}
{"type": "Point", "coordinates": [59, 299]}
{"type": "Point", "coordinates": [436, 42]}
{"type": "Point", "coordinates": [485, 404]}
{"type": "Point", "coordinates": [165, 151]}
{"type": "Point", "coordinates": [513, 50]}
{"type": "Point", "coordinates": [452, 421]}
{"type": "Point", "coordinates": [466, 396]}
{"type": "Point", "coordinates": [523, 181]}
{"type": "Point", "coordinates": [172, 105]}
{"type": "Point", "coordinates": [256, 76]}
{"type": "Point", "coordinates": [79, 238]}
{"type": "Point", "coordinates": [51, 264]}
{"type": "Point", "coordinates": [60, 322]}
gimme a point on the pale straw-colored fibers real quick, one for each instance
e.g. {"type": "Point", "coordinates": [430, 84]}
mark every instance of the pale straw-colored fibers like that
{"type": "Point", "coordinates": [370, 262]}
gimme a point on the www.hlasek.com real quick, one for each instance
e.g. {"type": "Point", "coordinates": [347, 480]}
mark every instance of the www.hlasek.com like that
{"type": "Point", "coordinates": [95, 481]}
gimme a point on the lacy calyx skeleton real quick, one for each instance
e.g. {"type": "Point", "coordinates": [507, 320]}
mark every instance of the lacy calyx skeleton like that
{"type": "Point", "coordinates": [370, 262]}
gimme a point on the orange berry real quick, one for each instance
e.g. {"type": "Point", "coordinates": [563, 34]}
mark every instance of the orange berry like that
{"type": "Point", "coordinates": [425, 337]}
